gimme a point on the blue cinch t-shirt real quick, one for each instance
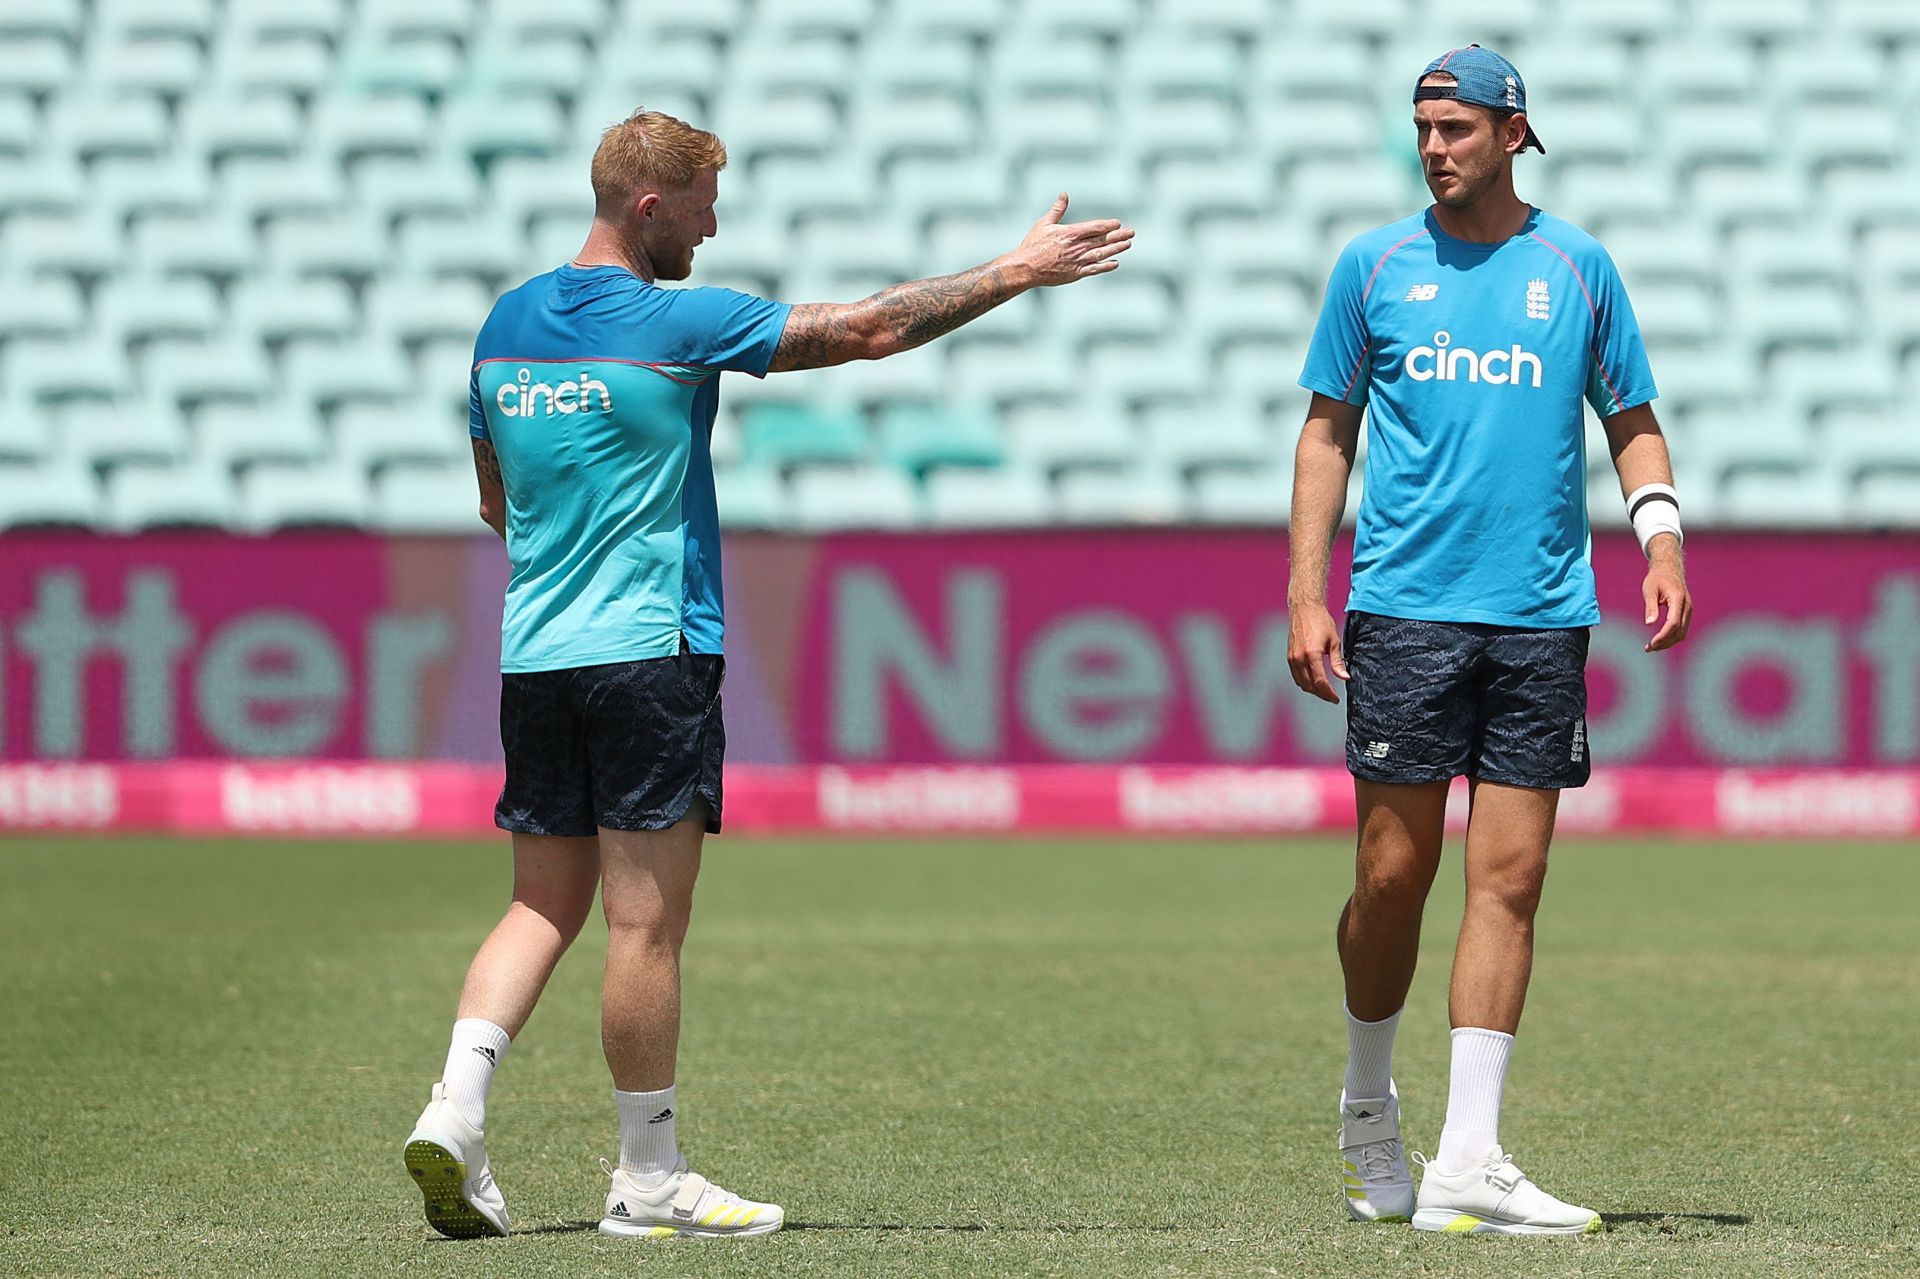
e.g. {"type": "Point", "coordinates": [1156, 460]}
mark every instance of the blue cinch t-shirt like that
{"type": "Point", "coordinates": [1472, 360]}
{"type": "Point", "coordinates": [598, 391]}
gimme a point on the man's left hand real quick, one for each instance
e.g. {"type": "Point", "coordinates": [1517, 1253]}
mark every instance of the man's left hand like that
{"type": "Point", "coordinates": [1666, 583]}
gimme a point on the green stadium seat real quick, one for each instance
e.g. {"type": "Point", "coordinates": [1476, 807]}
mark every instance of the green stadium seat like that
{"type": "Point", "coordinates": [1266, 249]}
{"type": "Point", "coordinates": [1812, 497]}
{"type": "Point", "coordinates": [920, 438]}
{"type": "Point", "coordinates": [1756, 19]}
{"type": "Point", "coordinates": [1201, 128]}
{"type": "Point", "coordinates": [86, 126]}
{"type": "Point", "coordinates": [344, 246]}
{"type": "Point", "coordinates": [277, 310]}
{"type": "Point", "coordinates": [1696, 70]}
{"type": "Point", "coordinates": [922, 188]}
{"type": "Point", "coordinates": [168, 67]}
{"type": "Point", "coordinates": [898, 62]}
{"type": "Point", "coordinates": [189, 373]}
{"type": "Point", "coordinates": [348, 126]}
{"type": "Point", "coordinates": [253, 19]}
{"type": "Point", "coordinates": [221, 125]}
{"type": "Point", "coordinates": [1615, 20]}
{"type": "Point", "coordinates": [330, 374]}
{"type": "Point", "coordinates": [369, 435]}
{"type": "Point", "coordinates": [1146, 373]}
{"type": "Point", "coordinates": [478, 247]}
{"type": "Point", "coordinates": [1117, 308]}
{"type": "Point", "coordinates": [1883, 499]}
{"type": "Point", "coordinates": [1209, 434]}
{"type": "Point", "coordinates": [76, 243]}
{"type": "Point", "coordinates": [109, 432]}
{"type": "Point", "coordinates": [1116, 498]}
{"type": "Point", "coordinates": [810, 19]}
{"type": "Point", "coordinates": [1832, 134]}
{"type": "Point", "coordinates": [41, 308]}
{"type": "Point", "coordinates": [1043, 20]}
{"type": "Point", "coordinates": [1004, 497]}
{"type": "Point", "coordinates": [1244, 20]}
{"type": "Point", "coordinates": [750, 497]}
{"type": "Point", "coordinates": [1023, 68]}
{"type": "Point", "coordinates": [134, 188]}
{"type": "Point", "coordinates": [278, 495]}
{"type": "Point", "coordinates": [850, 247]}
{"type": "Point", "coordinates": [1171, 63]}
{"type": "Point", "coordinates": [301, 65]}
{"type": "Point", "coordinates": [443, 372]}
{"type": "Point", "coordinates": [1892, 20]}
{"type": "Point", "coordinates": [1808, 383]}
{"type": "Point", "coordinates": [1681, 250]}
{"type": "Point", "coordinates": [258, 188]}
{"type": "Point", "coordinates": [1376, 20]}
{"type": "Point", "coordinates": [872, 497]}
{"type": "Point", "coordinates": [1833, 69]}
{"type": "Point", "coordinates": [36, 64]}
{"type": "Point", "coordinates": [516, 65]}
{"type": "Point", "coordinates": [121, 20]}
{"type": "Point", "coordinates": [916, 375]}
{"type": "Point", "coordinates": [414, 308]}
{"type": "Point", "coordinates": [1089, 432]}
{"type": "Point", "coordinates": [418, 65]}
{"type": "Point", "coordinates": [390, 20]}
{"type": "Point", "coordinates": [1718, 375]}
{"type": "Point", "coordinates": [1187, 189]}
{"type": "Point", "coordinates": [1861, 199]}
{"type": "Point", "coordinates": [789, 186]}
{"type": "Point", "coordinates": [1323, 130]}
{"type": "Point", "coordinates": [1789, 254]}
{"type": "Point", "coordinates": [1868, 439]}
{"type": "Point", "coordinates": [582, 19]}
{"type": "Point", "coordinates": [58, 493]}
{"type": "Point", "coordinates": [1603, 197]}
{"type": "Point", "coordinates": [1676, 313]}
{"type": "Point", "coordinates": [194, 493]}
{"type": "Point", "coordinates": [1261, 497]}
{"type": "Point", "coordinates": [241, 433]}
{"type": "Point", "coordinates": [1697, 133]}
{"type": "Point", "coordinates": [1563, 78]}
{"type": "Point", "coordinates": [486, 128]}
{"type": "Point", "coordinates": [64, 20]}
{"type": "Point", "coordinates": [1284, 73]}
{"type": "Point", "coordinates": [1727, 198]}
{"type": "Point", "coordinates": [1265, 373]}
{"type": "Point", "coordinates": [21, 130]}
{"type": "Point", "coordinates": [1221, 313]}
{"type": "Point", "coordinates": [1007, 371]}
{"type": "Point", "coordinates": [765, 67]}
{"type": "Point", "coordinates": [712, 20]}
{"type": "Point", "coordinates": [51, 370]}
{"type": "Point", "coordinates": [1364, 194]}
{"type": "Point", "coordinates": [1774, 316]}
{"type": "Point", "coordinates": [140, 307]}
{"type": "Point", "coordinates": [937, 127]}
{"type": "Point", "coordinates": [794, 125]}
{"type": "Point", "coordinates": [217, 246]}
{"type": "Point", "coordinates": [641, 70]}
{"type": "Point", "coordinates": [425, 498]}
{"type": "Point", "coordinates": [1891, 256]}
{"type": "Point", "coordinates": [976, 20]}
{"type": "Point", "coordinates": [781, 435]}
{"type": "Point", "coordinates": [1070, 128]}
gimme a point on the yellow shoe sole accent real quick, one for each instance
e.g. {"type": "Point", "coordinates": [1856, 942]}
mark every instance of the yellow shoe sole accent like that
{"type": "Point", "coordinates": [1461, 1225]}
{"type": "Point", "coordinates": [1594, 1227]}
{"type": "Point", "coordinates": [440, 1177]}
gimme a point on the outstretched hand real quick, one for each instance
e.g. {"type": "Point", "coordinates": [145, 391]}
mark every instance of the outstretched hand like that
{"type": "Point", "coordinates": [1059, 252]}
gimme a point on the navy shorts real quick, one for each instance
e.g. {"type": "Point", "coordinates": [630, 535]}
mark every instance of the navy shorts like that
{"type": "Point", "coordinates": [628, 746]}
{"type": "Point", "coordinates": [1429, 701]}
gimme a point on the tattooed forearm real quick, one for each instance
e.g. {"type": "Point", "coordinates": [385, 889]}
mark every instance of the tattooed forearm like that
{"type": "Point", "coordinates": [892, 320]}
{"type": "Point", "coordinates": [493, 492]}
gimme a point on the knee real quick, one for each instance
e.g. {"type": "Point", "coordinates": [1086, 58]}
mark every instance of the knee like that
{"type": "Point", "coordinates": [1512, 888]}
{"type": "Point", "coordinates": [654, 926]}
{"type": "Point", "coordinates": [1393, 889]}
{"type": "Point", "coordinates": [564, 912]}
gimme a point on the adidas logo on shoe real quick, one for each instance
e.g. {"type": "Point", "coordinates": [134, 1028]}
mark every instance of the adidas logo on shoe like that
{"type": "Point", "coordinates": [662, 1117]}
{"type": "Point", "coordinates": [619, 1210]}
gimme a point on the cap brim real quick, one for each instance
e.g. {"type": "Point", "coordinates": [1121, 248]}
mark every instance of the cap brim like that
{"type": "Point", "coordinates": [1533, 140]}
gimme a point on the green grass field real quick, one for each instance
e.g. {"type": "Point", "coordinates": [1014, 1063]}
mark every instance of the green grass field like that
{"type": "Point", "coordinates": [967, 1059]}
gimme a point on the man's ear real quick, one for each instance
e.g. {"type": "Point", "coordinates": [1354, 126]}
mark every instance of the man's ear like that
{"type": "Point", "coordinates": [645, 205]}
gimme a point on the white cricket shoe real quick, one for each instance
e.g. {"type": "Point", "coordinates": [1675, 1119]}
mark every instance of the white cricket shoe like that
{"type": "Point", "coordinates": [1493, 1197]}
{"type": "Point", "coordinates": [685, 1205]}
{"type": "Point", "coordinates": [1373, 1163]}
{"type": "Point", "coordinates": [448, 1159]}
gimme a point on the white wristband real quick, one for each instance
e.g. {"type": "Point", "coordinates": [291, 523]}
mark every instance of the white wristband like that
{"type": "Point", "coordinates": [1654, 509]}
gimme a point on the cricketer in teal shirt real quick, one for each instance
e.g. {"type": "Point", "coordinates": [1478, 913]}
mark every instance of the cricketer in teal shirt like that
{"type": "Point", "coordinates": [598, 391]}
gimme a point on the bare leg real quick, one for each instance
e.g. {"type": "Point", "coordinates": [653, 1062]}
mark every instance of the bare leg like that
{"type": "Point", "coordinates": [1507, 838]}
{"type": "Point", "coordinates": [647, 895]}
{"type": "Point", "coordinates": [553, 882]}
{"type": "Point", "coordinates": [1401, 828]}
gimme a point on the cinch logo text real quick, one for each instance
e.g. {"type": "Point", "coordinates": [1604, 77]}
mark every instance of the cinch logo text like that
{"type": "Point", "coordinates": [1443, 362]}
{"type": "Point", "coordinates": [525, 397]}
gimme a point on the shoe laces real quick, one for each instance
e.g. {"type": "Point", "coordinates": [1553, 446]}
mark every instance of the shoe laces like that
{"type": "Point", "coordinates": [1378, 1160]}
{"type": "Point", "coordinates": [1504, 1172]}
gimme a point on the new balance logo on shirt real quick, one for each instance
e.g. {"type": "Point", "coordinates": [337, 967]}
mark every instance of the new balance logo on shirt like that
{"type": "Point", "coordinates": [1444, 362]}
{"type": "Point", "coordinates": [1422, 293]}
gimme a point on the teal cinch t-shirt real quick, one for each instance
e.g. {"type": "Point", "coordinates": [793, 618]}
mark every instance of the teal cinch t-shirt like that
{"type": "Point", "coordinates": [1472, 361]}
{"type": "Point", "coordinates": [598, 392]}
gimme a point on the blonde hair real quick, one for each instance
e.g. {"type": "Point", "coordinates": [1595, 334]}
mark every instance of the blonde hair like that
{"type": "Point", "coordinates": [650, 149]}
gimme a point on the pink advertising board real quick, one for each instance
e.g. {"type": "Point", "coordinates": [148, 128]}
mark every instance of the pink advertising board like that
{"type": "Point", "coordinates": [1058, 649]}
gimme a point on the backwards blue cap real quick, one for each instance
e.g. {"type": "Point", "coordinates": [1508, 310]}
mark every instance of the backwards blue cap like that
{"type": "Point", "coordinates": [1481, 78]}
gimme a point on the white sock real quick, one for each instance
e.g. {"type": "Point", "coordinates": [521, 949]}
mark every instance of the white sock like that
{"type": "Point", "coordinates": [649, 1148]}
{"type": "Point", "coordinates": [1369, 1056]}
{"type": "Point", "coordinates": [1473, 1097]}
{"type": "Point", "coordinates": [477, 1050]}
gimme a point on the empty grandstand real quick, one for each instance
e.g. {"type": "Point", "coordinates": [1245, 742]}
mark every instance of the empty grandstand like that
{"type": "Point", "coordinates": [245, 244]}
